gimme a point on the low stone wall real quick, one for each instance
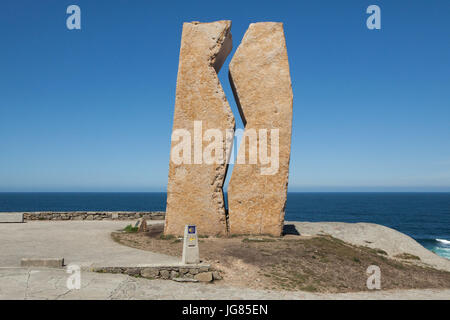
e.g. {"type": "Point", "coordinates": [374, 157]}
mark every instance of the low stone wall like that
{"type": "Point", "coordinates": [182, 273]}
{"type": "Point", "coordinates": [91, 215]}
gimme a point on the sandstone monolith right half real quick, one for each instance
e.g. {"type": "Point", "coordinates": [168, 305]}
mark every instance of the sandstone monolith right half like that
{"type": "Point", "coordinates": [259, 74]}
{"type": "Point", "coordinates": [194, 191]}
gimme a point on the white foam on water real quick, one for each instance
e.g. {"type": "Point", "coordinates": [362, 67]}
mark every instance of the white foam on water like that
{"type": "Point", "coordinates": [443, 241]}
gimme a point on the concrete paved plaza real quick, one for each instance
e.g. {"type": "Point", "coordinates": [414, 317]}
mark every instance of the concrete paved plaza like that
{"type": "Point", "coordinates": [86, 243]}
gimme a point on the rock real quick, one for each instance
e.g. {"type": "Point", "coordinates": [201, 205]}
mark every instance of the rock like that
{"type": "Point", "coordinates": [203, 268]}
{"type": "Point", "coordinates": [193, 271]}
{"type": "Point", "coordinates": [165, 274]}
{"type": "Point", "coordinates": [184, 270]}
{"type": "Point", "coordinates": [194, 191]}
{"type": "Point", "coordinates": [389, 240]}
{"type": "Point", "coordinates": [150, 273]}
{"type": "Point", "coordinates": [216, 275]}
{"type": "Point", "coordinates": [141, 224]}
{"type": "Point", "coordinates": [204, 277]}
{"type": "Point", "coordinates": [259, 76]}
{"type": "Point", "coordinates": [174, 274]}
{"type": "Point", "coordinates": [133, 271]}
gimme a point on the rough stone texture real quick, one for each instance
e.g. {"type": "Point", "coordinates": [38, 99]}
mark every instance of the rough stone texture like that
{"type": "Point", "coordinates": [90, 215]}
{"type": "Point", "coordinates": [194, 271]}
{"type": "Point", "coordinates": [165, 272]}
{"type": "Point", "coordinates": [259, 74]}
{"type": "Point", "coordinates": [141, 224]}
{"type": "Point", "coordinates": [194, 191]}
{"type": "Point", "coordinates": [204, 277]}
{"type": "Point", "coordinates": [150, 273]}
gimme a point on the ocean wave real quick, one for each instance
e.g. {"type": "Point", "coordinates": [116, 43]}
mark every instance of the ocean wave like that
{"type": "Point", "coordinates": [443, 241]}
{"type": "Point", "coordinates": [443, 252]}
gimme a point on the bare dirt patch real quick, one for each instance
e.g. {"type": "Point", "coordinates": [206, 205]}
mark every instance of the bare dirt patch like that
{"type": "Point", "coordinates": [293, 262]}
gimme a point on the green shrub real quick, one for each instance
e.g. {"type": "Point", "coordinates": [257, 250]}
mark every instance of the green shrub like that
{"type": "Point", "coordinates": [130, 228]}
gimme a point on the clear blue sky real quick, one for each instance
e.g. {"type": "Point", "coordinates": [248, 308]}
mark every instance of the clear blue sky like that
{"type": "Point", "coordinates": [92, 110]}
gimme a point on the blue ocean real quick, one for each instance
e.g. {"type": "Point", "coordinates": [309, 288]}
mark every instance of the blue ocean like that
{"type": "Point", "coordinates": [423, 216]}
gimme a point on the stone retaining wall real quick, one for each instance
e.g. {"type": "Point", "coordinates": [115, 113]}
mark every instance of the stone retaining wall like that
{"type": "Point", "coordinates": [203, 273]}
{"type": "Point", "coordinates": [91, 215]}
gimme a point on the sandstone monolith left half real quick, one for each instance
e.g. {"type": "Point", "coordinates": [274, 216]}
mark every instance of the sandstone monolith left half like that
{"type": "Point", "coordinates": [260, 78]}
{"type": "Point", "coordinates": [202, 116]}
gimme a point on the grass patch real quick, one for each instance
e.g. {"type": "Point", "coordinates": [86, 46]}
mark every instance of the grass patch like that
{"type": "Point", "coordinates": [378, 251]}
{"type": "Point", "coordinates": [407, 256]}
{"type": "Point", "coordinates": [309, 288]}
{"type": "Point", "coordinates": [356, 260]}
{"type": "Point", "coordinates": [130, 229]}
{"type": "Point", "coordinates": [167, 237]}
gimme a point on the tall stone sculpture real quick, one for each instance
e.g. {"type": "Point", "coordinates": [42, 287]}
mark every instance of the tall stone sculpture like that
{"type": "Point", "coordinates": [259, 74]}
{"type": "Point", "coordinates": [194, 192]}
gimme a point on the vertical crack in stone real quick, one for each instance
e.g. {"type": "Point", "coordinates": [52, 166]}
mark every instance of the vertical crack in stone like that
{"type": "Point", "coordinates": [260, 79]}
{"type": "Point", "coordinates": [195, 191]}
